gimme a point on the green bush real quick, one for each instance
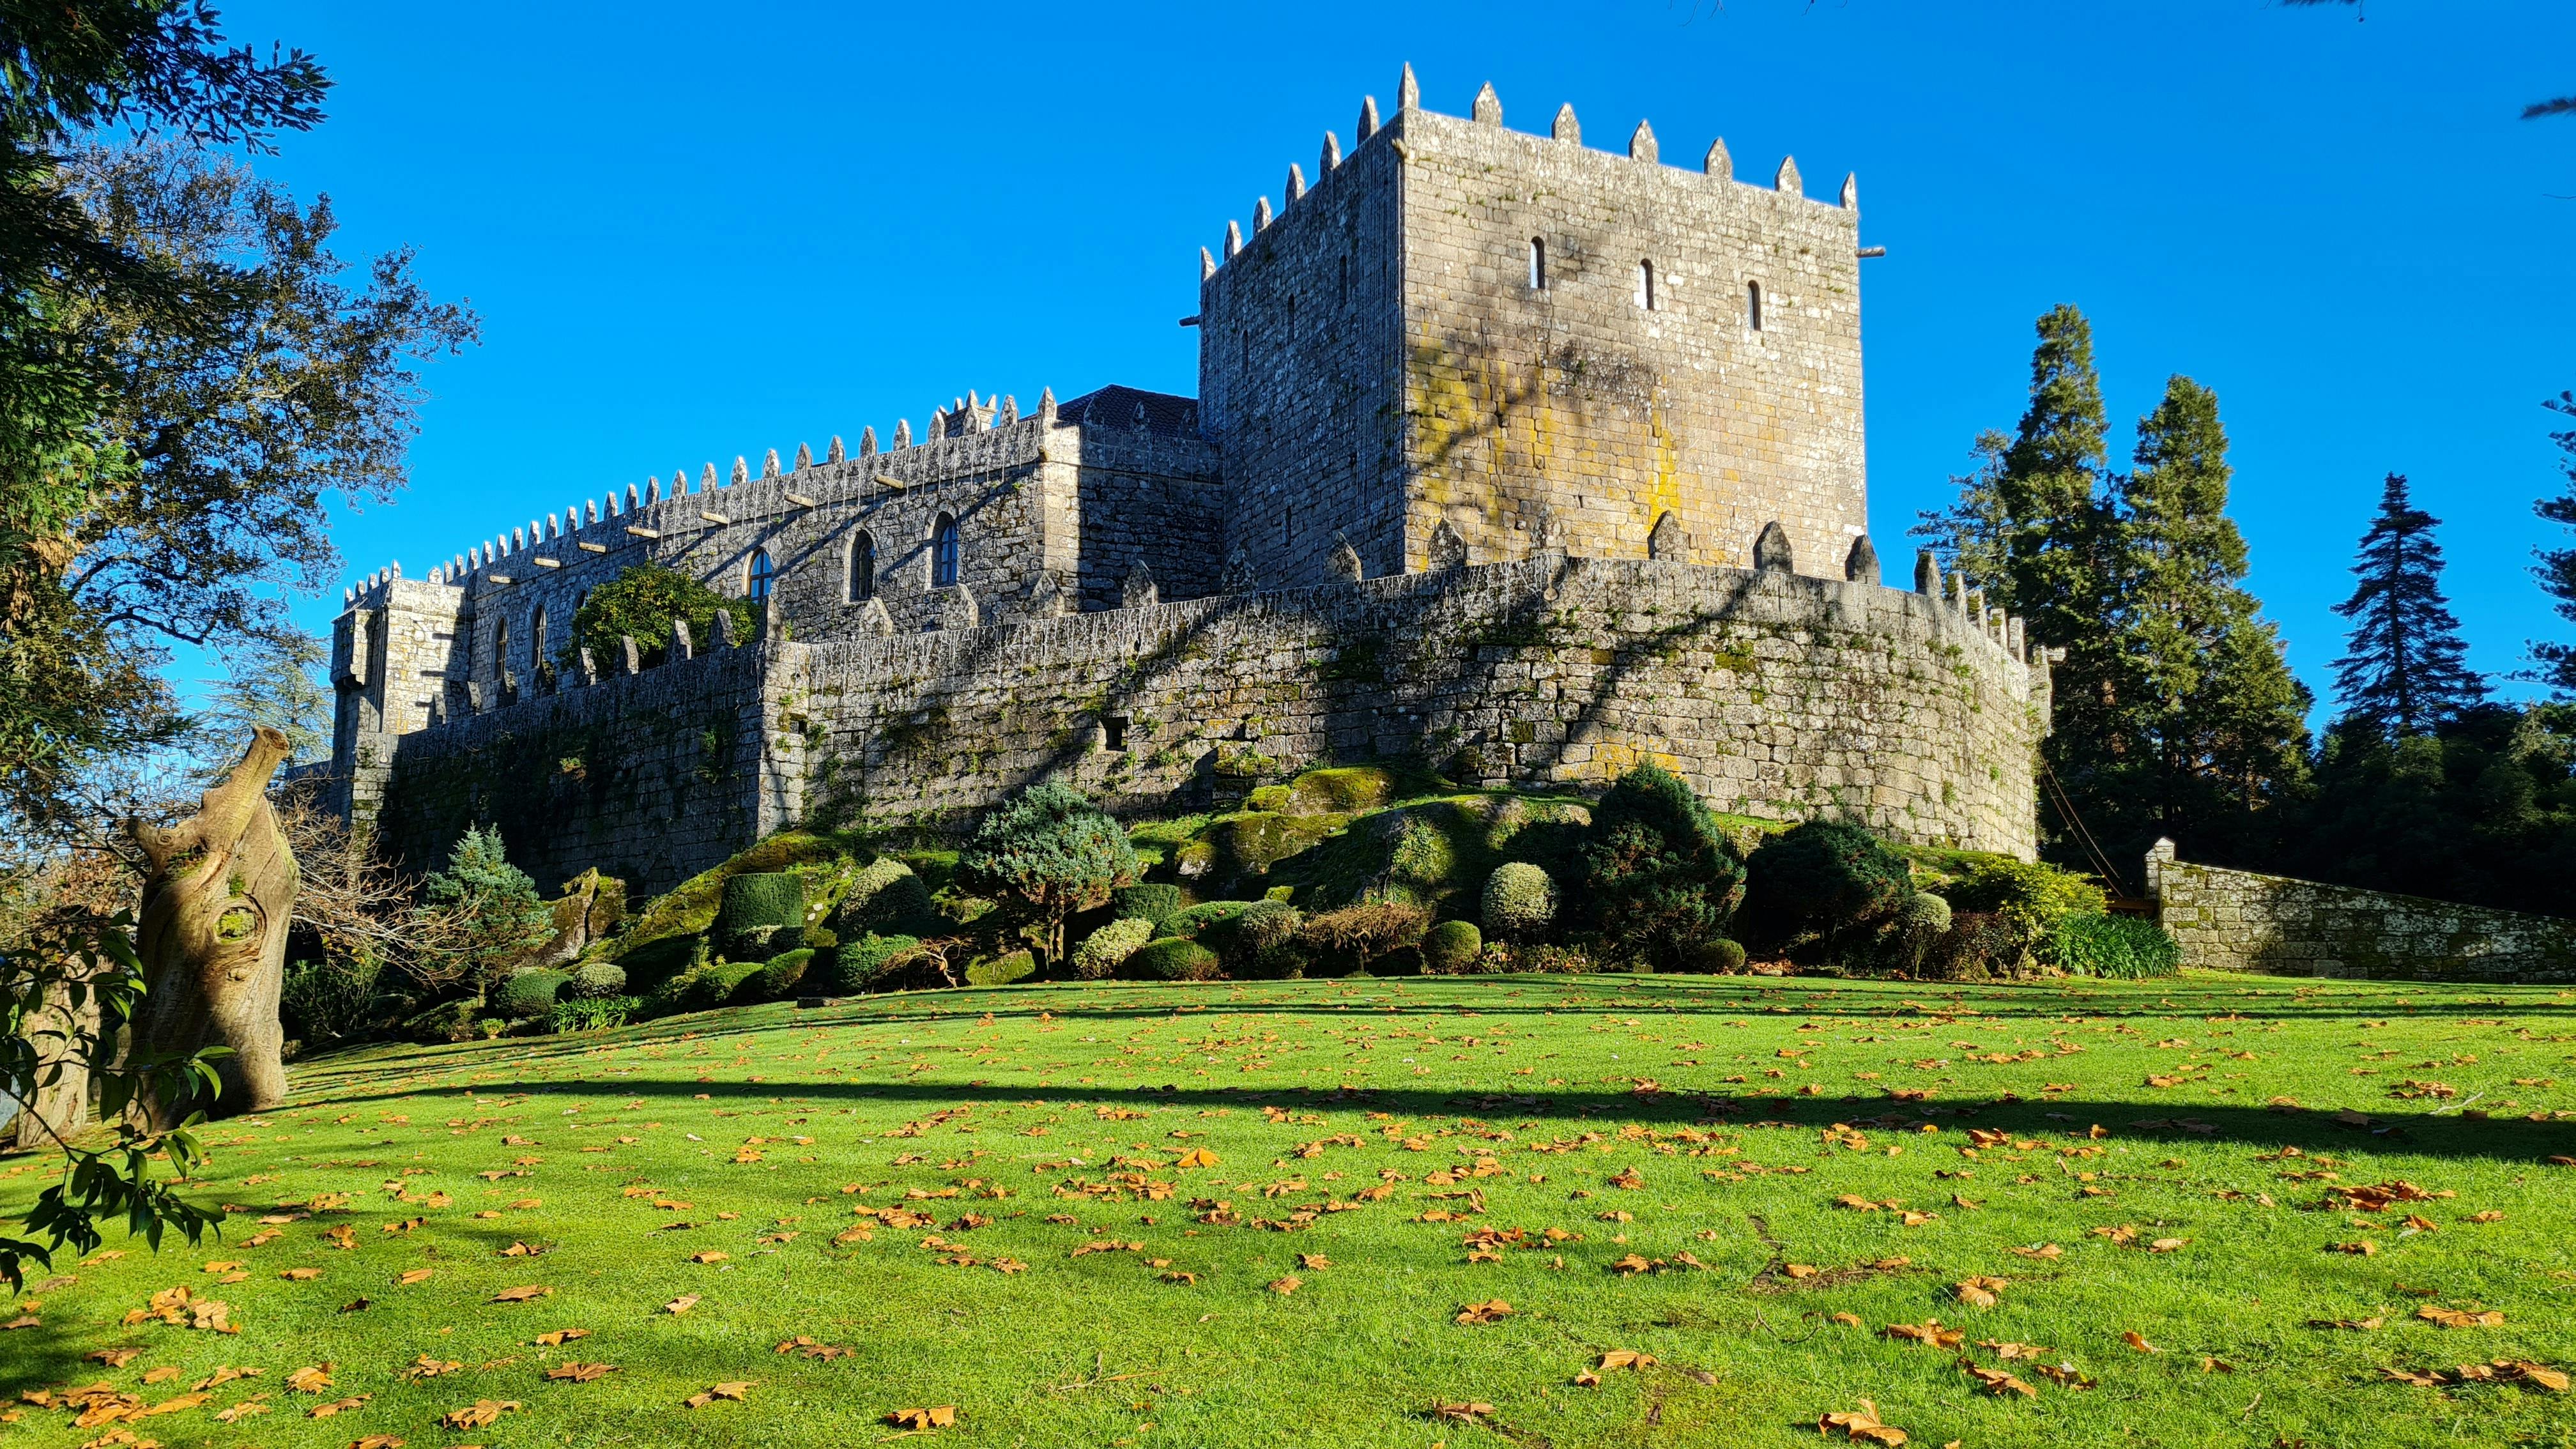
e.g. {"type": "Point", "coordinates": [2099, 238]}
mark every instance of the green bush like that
{"type": "Point", "coordinates": [595, 1013]}
{"type": "Point", "coordinates": [1264, 943]}
{"type": "Point", "coordinates": [1422, 857]}
{"type": "Point", "coordinates": [1452, 948]}
{"type": "Point", "coordinates": [1002, 970]}
{"type": "Point", "coordinates": [325, 1001]}
{"type": "Point", "coordinates": [756, 905]}
{"type": "Point", "coordinates": [1196, 921]}
{"type": "Point", "coordinates": [641, 602]}
{"type": "Point", "coordinates": [2122, 948]}
{"type": "Point", "coordinates": [704, 988]}
{"type": "Point", "coordinates": [529, 994]}
{"type": "Point", "coordinates": [1171, 959]}
{"type": "Point", "coordinates": [1978, 945]}
{"type": "Point", "coordinates": [1355, 937]}
{"type": "Point", "coordinates": [1049, 853]}
{"type": "Point", "coordinates": [596, 981]}
{"type": "Point", "coordinates": [1101, 951]}
{"type": "Point", "coordinates": [885, 896]}
{"type": "Point", "coordinates": [1920, 924]}
{"type": "Point", "coordinates": [1658, 871]}
{"type": "Point", "coordinates": [778, 979]}
{"type": "Point", "coordinates": [448, 1021]}
{"type": "Point", "coordinates": [1827, 890]}
{"type": "Point", "coordinates": [491, 905]}
{"type": "Point", "coordinates": [856, 964]}
{"type": "Point", "coordinates": [1717, 956]}
{"type": "Point", "coordinates": [1548, 960]}
{"type": "Point", "coordinates": [2030, 896]}
{"type": "Point", "coordinates": [1153, 901]}
{"type": "Point", "coordinates": [1520, 901]}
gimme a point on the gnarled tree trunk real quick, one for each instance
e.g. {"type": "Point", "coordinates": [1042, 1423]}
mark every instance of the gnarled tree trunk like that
{"type": "Point", "coordinates": [216, 904]}
{"type": "Point", "coordinates": [61, 1106]}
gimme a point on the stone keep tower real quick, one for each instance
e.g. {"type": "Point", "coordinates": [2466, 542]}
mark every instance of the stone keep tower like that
{"type": "Point", "coordinates": [1539, 345]}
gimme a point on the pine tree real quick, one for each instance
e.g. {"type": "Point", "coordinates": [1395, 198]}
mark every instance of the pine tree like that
{"type": "Point", "coordinates": [2210, 712]}
{"type": "Point", "coordinates": [2405, 668]}
{"type": "Point", "coordinates": [2557, 568]}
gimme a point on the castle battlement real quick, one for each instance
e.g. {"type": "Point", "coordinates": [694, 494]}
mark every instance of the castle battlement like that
{"type": "Point", "coordinates": [1524, 458]}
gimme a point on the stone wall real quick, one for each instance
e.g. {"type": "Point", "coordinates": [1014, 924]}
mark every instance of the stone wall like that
{"type": "Point", "coordinates": [2234, 920]}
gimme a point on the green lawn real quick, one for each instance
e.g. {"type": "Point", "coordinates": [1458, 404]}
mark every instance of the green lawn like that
{"type": "Point", "coordinates": [2165, 1159]}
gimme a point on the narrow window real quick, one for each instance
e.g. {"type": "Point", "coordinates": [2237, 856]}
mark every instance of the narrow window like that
{"type": "Point", "coordinates": [1113, 732]}
{"type": "Point", "coordinates": [863, 567]}
{"type": "Point", "coordinates": [943, 553]}
{"type": "Point", "coordinates": [537, 639]}
{"type": "Point", "coordinates": [760, 576]}
{"type": "Point", "coordinates": [1753, 304]}
{"type": "Point", "coordinates": [1646, 285]}
{"type": "Point", "coordinates": [1538, 265]}
{"type": "Point", "coordinates": [1244, 340]}
{"type": "Point", "coordinates": [1344, 292]}
{"type": "Point", "coordinates": [501, 647]}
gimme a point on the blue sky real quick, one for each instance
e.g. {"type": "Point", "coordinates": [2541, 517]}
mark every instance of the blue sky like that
{"type": "Point", "coordinates": [689, 243]}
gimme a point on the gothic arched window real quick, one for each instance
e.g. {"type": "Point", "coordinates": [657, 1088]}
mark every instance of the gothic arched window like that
{"type": "Point", "coordinates": [943, 553]}
{"type": "Point", "coordinates": [537, 639]}
{"type": "Point", "coordinates": [759, 577]}
{"type": "Point", "coordinates": [863, 567]}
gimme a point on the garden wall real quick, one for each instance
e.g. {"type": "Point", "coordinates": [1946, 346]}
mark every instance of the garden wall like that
{"type": "Point", "coordinates": [2234, 920]}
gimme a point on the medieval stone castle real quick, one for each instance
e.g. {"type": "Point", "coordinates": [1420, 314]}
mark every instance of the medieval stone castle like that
{"type": "Point", "coordinates": [1516, 457]}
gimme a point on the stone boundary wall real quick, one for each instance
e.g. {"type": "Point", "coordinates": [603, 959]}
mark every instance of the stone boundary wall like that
{"type": "Point", "coordinates": [1773, 694]}
{"type": "Point", "coordinates": [2235, 920]}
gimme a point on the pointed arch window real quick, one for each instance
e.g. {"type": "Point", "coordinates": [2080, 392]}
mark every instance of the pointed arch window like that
{"type": "Point", "coordinates": [501, 646]}
{"type": "Point", "coordinates": [863, 567]}
{"type": "Point", "coordinates": [1646, 285]}
{"type": "Point", "coordinates": [943, 553]}
{"type": "Point", "coordinates": [537, 639]}
{"type": "Point", "coordinates": [759, 577]}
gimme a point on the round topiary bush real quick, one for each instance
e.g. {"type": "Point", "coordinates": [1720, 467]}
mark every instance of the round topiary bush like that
{"type": "Point", "coordinates": [762, 912]}
{"type": "Point", "coordinates": [1451, 948]}
{"type": "Point", "coordinates": [780, 977]}
{"type": "Point", "coordinates": [1520, 901]}
{"type": "Point", "coordinates": [1101, 951]}
{"type": "Point", "coordinates": [1002, 970]}
{"type": "Point", "coordinates": [1196, 921]}
{"type": "Point", "coordinates": [596, 981]}
{"type": "Point", "coordinates": [1920, 923]}
{"type": "Point", "coordinates": [1264, 943]}
{"type": "Point", "coordinates": [884, 897]}
{"type": "Point", "coordinates": [1171, 959]}
{"type": "Point", "coordinates": [1717, 956]}
{"type": "Point", "coordinates": [529, 994]}
{"type": "Point", "coordinates": [1155, 902]}
{"type": "Point", "coordinates": [856, 964]}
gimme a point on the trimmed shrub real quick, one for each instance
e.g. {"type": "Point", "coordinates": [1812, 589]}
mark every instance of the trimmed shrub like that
{"type": "Point", "coordinates": [325, 1001]}
{"type": "Point", "coordinates": [1171, 959]}
{"type": "Point", "coordinates": [1101, 951]}
{"type": "Point", "coordinates": [1979, 945]}
{"type": "Point", "coordinates": [857, 964]}
{"type": "Point", "coordinates": [1827, 889]}
{"type": "Point", "coordinates": [1355, 936]}
{"type": "Point", "coordinates": [2031, 896]}
{"type": "Point", "coordinates": [1452, 948]}
{"type": "Point", "coordinates": [1717, 956]}
{"type": "Point", "coordinates": [1549, 960]}
{"type": "Point", "coordinates": [1422, 857]}
{"type": "Point", "coordinates": [1195, 922]}
{"type": "Point", "coordinates": [779, 978]}
{"type": "Point", "coordinates": [1520, 901]}
{"type": "Point", "coordinates": [885, 896]}
{"type": "Point", "coordinates": [1658, 872]}
{"type": "Point", "coordinates": [529, 994]}
{"type": "Point", "coordinates": [596, 981]}
{"type": "Point", "coordinates": [449, 1021]}
{"type": "Point", "coordinates": [1049, 853]}
{"type": "Point", "coordinates": [756, 907]}
{"type": "Point", "coordinates": [1155, 902]}
{"type": "Point", "coordinates": [704, 988]}
{"type": "Point", "coordinates": [2119, 948]}
{"type": "Point", "coordinates": [1002, 970]}
{"type": "Point", "coordinates": [1265, 943]}
{"type": "Point", "coordinates": [1920, 923]}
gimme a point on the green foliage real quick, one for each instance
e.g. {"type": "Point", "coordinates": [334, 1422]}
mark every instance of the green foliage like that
{"type": "Point", "coordinates": [494, 909]}
{"type": "Point", "coordinates": [2122, 948]}
{"type": "Point", "coordinates": [2028, 896]}
{"type": "Point", "coordinates": [1049, 853]}
{"type": "Point", "coordinates": [1100, 953]}
{"type": "Point", "coordinates": [1658, 872]}
{"type": "Point", "coordinates": [1340, 790]}
{"type": "Point", "coordinates": [1452, 948]}
{"type": "Point", "coordinates": [885, 896]}
{"type": "Point", "coordinates": [1716, 956]}
{"type": "Point", "coordinates": [642, 601]}
{"type": "Point", "coordinates": [763, 899]}
{"type": "Point", "coordinates": [527, 995]}
{"type": "Point", "coordinates": [1422, 857]}
{"type": "Point", "coordinates": [596, 981]}
{"type": "Point", "coordinates": [1256, 940]}
{"type": "Point", "coordinates": [595, 1013]}
{"type": "Point", "coordinates": [1152, 901]}
{"type": "Point", "coordinates": [1979, 945]}
{"type": "Point", "coordinates": [783, 973]}
{"type": "Point", "coordinates": [448, 1021]}
{"type": "Point", "coordinates": [329, 1000]}
{"type": "Point", "coordinates": [1195, 921]}
{"type": "Point", "coordinates": [2405, 668]}
{"type": "Point", "coordinates": [1002, 970]}
{"type": "Point", "coordinates": [1827, 887]}
{"type": "Point", "coordinates": [1171, 959]}
{"type": "Point", "coordinates": [857, 964]}
{"type": "Point", "coordinates": [1355, 936]}
{"type": "Point", "coordinates": [1519, 902]}
{"type": "Point", "coordinates": [2557, 567]}
{"type": "Point", "coordinates": [1920, 924]}
{"type": "Point", "coordinates": [704, 988]}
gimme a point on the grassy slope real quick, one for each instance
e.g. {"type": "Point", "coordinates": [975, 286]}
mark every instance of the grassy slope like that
{"type": "Point", "coordinates": [1098, 1349]}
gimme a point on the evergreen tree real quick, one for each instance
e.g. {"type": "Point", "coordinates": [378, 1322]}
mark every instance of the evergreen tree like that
{"type": "Point", "coordinates": [2557, 569]}
{"type": "Point", "coordinates": [2208, 710]}
{"type": "Point", "coordinates": [2405, 667]}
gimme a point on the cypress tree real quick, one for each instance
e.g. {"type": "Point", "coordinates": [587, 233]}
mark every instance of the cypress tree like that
{"type": "Point", "coordinates": [2207, 708]}
{"type": "Point", "coordinates": [2557, 568]}
{"type": "Point", "coordinates": [2405, 668]}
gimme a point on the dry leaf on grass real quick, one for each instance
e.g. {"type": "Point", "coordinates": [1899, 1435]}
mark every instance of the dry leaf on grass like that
{"type": "Point", "coordinates": [337, 1406]}
{"type": "Point", "coordinates": [560, 1337]}
{"type": "Point", "coordinates": [581, 1373]}
{"type": "Point", "coordinates": [938, 1418]}
{"type": "Point", "coordinates": [416, 1275]}
{"type": "Point", "coordinates": [805, 1347]}
{"type": "Point", "coordinates": [1460, 1413]}
{"type": "Point", "coordinates": [1312, 1261]}
{"type": "Point", "coordinates": [1998, 1382]}
{"type": "Point", "coordinates": [161, 1375]}
{"type": "Point", "coordinates": [380, 1441]}
{"type": "Point", "coordinates": [428, 1367]}
{"type": "Point", "coordinates": [1863, 1425]}
{"type": "Point", "coordinates": [300, 1275]}
{"type": "Point", "coordinates": [681, 1304]}
{"type": "Point", "coordinates": [1800, 1270]}
{"type": "Point", "coordinates": [114, 1357]}
{"type": "Point", "coordinates": [481, 1414]}
{"type": "Point", "coordinates": [1490, 1311]}
{"type": "Point", "coordinates": [2363, 1249]}
{"type": "Point", "coordinates": [1981, 1292]}
{"type": "Point", "coordinates": [2459, 1318]}
{"type": "Point", "coordinates": [1619, 1358]}
{"type": "Point", "coordinates": [310, 1380]}
{"type": "Point", "coordinates": [1929, 1331]}
{"type": "Point", "coordinates": [712, 1255]}
{"type": "Point", "coordinates": [1285, 1286]}
{"type": "Point", "coordinates": [733, 1389]}
{"type": "Point", "coordinates": [1197, 1157]}
{"type": "Point", "coordinates": [2362, 1324]}
{"type": "Point", "coordinates": [521, 1294]}
{"type": "Point", "coordinates": [2131, 1338]}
